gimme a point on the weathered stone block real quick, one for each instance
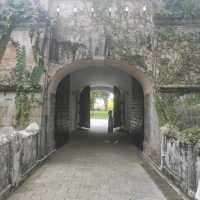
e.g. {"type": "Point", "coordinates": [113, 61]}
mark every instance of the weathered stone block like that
{"type": "Point", "coordinates": [18, 154]}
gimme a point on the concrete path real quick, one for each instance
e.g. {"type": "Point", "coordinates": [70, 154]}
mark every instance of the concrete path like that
{"type": "Point", "coordinates": [89, 168]}
{"type": "Point", "coordinates": [99, 126]}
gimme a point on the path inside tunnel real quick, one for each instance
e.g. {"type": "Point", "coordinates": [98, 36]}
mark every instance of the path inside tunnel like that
{"type": "Point", "coordinates": [90, 168]}
{"type": "Point", "coordinates": [99, 126]}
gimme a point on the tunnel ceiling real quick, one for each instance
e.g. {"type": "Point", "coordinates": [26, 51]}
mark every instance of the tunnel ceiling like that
{"type": "Point", "coordinates": [116, 66]}
{"type": "Point", "coordinates": [103, 76]}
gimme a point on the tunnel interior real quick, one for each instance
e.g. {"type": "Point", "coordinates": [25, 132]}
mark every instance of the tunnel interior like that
{"type": "Point", "coordinates": [72, 102]}
{"type": "Point", "coordinates": [101, 102]}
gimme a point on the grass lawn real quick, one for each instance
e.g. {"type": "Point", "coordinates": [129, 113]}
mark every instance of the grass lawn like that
{"type": "Point", "coordinates": [99, 114]}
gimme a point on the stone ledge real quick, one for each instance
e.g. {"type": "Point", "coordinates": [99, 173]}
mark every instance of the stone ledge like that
{"type": "Point", "coordinates": [179, 88]}
{"type": "Point", "coordinates": [12, 88]}
{"type": "Point", "coordinates": [160, 20]}
{"type": "Point", "coordinates": [158, 171]}
{"type": "Point", "coordinates": [7, 88]}
{"type": "Point", "coordinates": [179, 161]}
{"type": "Point", "coordinates": [9, 190]}
{"type": "Point", "coordinates": [15, 165]}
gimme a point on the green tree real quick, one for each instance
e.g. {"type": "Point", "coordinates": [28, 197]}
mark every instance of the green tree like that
{"type": "Point", "coordinates": [99, 94]}
{"type": "Point", "coordinates": [19, 12]}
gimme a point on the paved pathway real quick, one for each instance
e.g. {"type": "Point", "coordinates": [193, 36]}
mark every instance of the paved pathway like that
{"type": "Point", "coordinates": [88, 168]}
{"type": "Point", "coordinates": [99, 126]}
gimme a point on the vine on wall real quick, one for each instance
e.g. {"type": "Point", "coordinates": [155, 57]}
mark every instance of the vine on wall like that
{"type": "Point", "coordinates": [27, 85]}
{"type": "Point", "coordinates": [180, 115]}
{"type": "Point", "coordinates": [19, 13]}
{"type": "Point", "coordinates": [178, 56]}
{"type": "Point", "coordinates": [181, 9]}
{"type": "Point", "coordinates": [165, 106]}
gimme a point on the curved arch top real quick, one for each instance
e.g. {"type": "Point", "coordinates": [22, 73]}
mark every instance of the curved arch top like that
{"type": "Point", "coordinates": [132, 70]}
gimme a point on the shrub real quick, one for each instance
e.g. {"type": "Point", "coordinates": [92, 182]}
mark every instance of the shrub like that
{"type": "Point", "coordinates": [191, 135]}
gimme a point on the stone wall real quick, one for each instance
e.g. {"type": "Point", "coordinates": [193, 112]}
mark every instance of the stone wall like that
{"type": "Point", "coordinates": [189, 116]}
{"type": "Point", "coordinates": [7, 109]}
{"type": "Point", "coordinates": [18, 155]}
{"type": "Point", "coordinates": [137, 113]}
{"type": "Point", "coordinates": [19, 36]}
{"type": "Point", "coordinates": [137, 107]}
{"type": "Point", "coordinates": [106, 31]}
{"type": "Point", "coordinates": [179, 162]}
{"type": "Point", "coordinates": [90, 30]}
{"type": "Point", "coordinates": [177, 51]}
{"type": "Point", "coordinates": [62, 120]}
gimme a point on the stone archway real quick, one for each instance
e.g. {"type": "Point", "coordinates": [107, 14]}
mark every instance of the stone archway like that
{"type": "Point", "coordinates": [151, 130]}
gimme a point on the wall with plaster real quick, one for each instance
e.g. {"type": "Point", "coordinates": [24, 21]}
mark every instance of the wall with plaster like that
{"type": "Point", "coordinates": [18, 155]}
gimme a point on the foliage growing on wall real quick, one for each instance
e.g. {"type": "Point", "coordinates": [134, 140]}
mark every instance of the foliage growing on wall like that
{"type": "Point", "coordinates": [27, 84]}
{"type": "Point", "coordinates": [177, 53]}
{"type": "Point", "coordinates": [192, 100]}
{"type": "Point", "coordinates": [180, 9]}
{"type": "Point", "coordinates": [19, 13]}
{"type": "Point", "coordinates": [178, 56]}
{"type": "Point", "coordinates": [183, 8]}
{"type": "Point", "coordinates": [180, 113]}
{"type": "Point", "coordinates": [165, 106]}
{"type": "Point", "coordinates": [71, 48]}
{"type": "Point", "coordinates": [37, 52]}
{"type": "Point", "coordinates": [22, 99]}
{"type": "Point", "coordinates": [191, 135]}
{"type": "Point", "coordinates": [172, 108]}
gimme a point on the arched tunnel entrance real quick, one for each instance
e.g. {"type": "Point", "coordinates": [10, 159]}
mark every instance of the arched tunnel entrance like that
{"type": "Point", "coordinates": [133, 107]}
{"type": "Point", "coordinates": [72, 105]}
{"type": "Point", "coordinates": [101, 102]}
{"type": "Point", "coordinates": [86, 102]}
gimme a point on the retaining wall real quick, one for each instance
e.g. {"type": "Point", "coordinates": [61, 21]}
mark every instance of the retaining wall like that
{"type": "Point", "coordinates": [180, 163]}
{"type": "Point", "coordinates": [18, 155]}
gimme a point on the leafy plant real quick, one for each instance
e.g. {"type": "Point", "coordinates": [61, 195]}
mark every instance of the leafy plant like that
{"type": "Point", "coordinates": [166, 110]}
{"type": "Point", "coordinates": [169, 130]}
{"type": "Point", "coordinates": [191, 135]}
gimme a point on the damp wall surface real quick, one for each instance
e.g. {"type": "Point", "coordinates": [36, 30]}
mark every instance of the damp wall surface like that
{"type": "Point", "coordinates": [180, 162]}
{"type": "Point", "coordinates": [19, 154]}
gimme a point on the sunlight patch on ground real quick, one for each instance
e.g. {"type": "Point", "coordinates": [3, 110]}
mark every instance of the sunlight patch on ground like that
{"type": "Point", "coordinates": [99, 125]}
